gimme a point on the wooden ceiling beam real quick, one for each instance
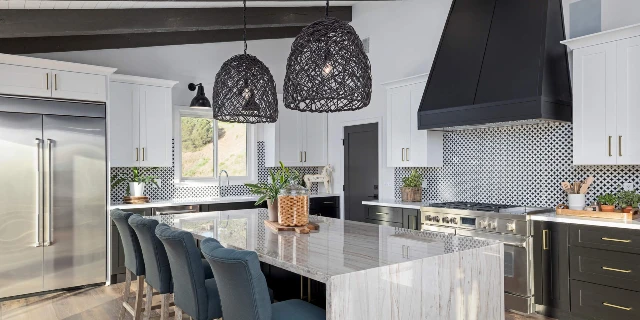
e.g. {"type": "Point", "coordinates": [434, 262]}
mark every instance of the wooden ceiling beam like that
{"type": "Point", "coordinates": [80, 22]}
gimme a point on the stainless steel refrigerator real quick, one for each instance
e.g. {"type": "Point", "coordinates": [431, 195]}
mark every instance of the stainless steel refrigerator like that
{"type": "Point", "coordinates": [53, 195]}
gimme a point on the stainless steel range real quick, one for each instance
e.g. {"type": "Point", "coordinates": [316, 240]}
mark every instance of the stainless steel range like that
{"type": "Point", "coordinates": [506, 223]}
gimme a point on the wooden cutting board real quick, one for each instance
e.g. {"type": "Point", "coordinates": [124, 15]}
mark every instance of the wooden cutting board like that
{"type": "Point", "coordinates": [136, 200]}
{"type": "Point", "coordinates": [275, 226]}
{"type": "Point", "coordinates": [563, 211]}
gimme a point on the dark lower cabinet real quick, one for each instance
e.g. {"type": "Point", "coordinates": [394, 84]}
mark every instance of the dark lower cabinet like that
{"type": "Point", "coordinates": [325, 207]}
{"type": "Point", "coordinates": [551, 268]}
{"type": "Point", "coordinates": [392, 216]}
{"type": "Point", "coordinates": [593, 301]}
{"type": "Point", "coordinates": [287, 285]}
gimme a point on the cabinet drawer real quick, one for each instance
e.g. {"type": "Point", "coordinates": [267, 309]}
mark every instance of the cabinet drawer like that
{"type": "Point", "coordinates": [384, 223]}
{"type": "Point", "coordinates": [388, 214]}
{"type": "Point", "coordinates": [24, 81]}
{"type": "Point", "coordinates": [615, 239]}
{"type": "Point", "coordinates": [79, 86]}
{"type": "Point", "coordinates": [608, 268]}
{"type": "Point", "coordinates": [325, 202]}
{"type": "Point", "coordinates": [594, 301]}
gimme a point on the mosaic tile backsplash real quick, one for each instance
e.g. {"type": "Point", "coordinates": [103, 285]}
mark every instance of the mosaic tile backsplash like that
{"type": "Point", "coordinates": [168, 190]}
{"type": "Point", "coordinates": [520, 165]}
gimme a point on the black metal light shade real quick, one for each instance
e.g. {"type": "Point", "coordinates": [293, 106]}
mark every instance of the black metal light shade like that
{"type": "Point", "coordinates": [245, 92]}
{"type": "Point", "coordinates": [200, 101]}
{"type": "Point", "coordinates": [328, 69]}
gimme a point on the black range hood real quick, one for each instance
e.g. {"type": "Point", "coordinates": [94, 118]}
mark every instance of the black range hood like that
{"type": "Point", "coordinates": [498, 61]}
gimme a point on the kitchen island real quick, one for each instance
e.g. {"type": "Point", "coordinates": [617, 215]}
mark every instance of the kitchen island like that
{"type": "Point", "coordinates": [371, 271]}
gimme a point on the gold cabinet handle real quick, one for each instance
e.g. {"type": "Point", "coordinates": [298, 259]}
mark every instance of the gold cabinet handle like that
{"type": "Point", "coordinates": [545, 242]}
{"type": "Point", "coordinates": [610, 146]}
{"type": "Point", "coordinates": [300, 156]}
{"type": "Point", "coordinates": [47, 80]}
{"type": "Point", "coordinates": [616, 240]}
{"type": "Point", "coordinates": [381, 213]}
{"type": "Point", "coordinates": [142, 154]}
{"type": "Point", "coordinates": [615, 306]}
{"type": "Point", "coordinates": [305, 156]}
{"type": "Point", "coordinates": [616, 270]}
{"type": "Point", "coordinates": [402, 154]}
{"type": "Point", "coordinates": [55, 81]}
{"type": "Point", "coordinates": [137, 155]}
{"type": "Point", "coordinates": [620, 146]}
{"type": "Point", "coordinates": [407, 154]}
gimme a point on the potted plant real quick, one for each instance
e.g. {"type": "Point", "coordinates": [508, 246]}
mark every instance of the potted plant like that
{"type": "Point", "coordinates": [607, 202]}
{"type": "Point", "coordinates": [412, 187]}
{"type": "Point", "coordinates": [628, 200]}
{"type": "Point", "coordinates": [136, 181]}
{"type": "Point", "coordinates": [269, 191]}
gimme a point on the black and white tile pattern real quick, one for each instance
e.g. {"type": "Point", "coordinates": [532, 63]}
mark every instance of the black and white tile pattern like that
{"type": "Point", "coordinates": [168, 190]}
{"type": "Point", "coordinates": [521, 165]}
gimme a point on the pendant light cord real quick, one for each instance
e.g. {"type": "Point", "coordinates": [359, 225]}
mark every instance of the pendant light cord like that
{"type": "Point", "coordinates": [244, 14]}
{"type": "Point", "coordinates": [327, 11]}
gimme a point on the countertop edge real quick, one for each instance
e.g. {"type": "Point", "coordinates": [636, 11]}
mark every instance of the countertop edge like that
{"type": "Point", "coordinates": [187, 202]}
{"type": "Point", "coordinates": [599, 222]}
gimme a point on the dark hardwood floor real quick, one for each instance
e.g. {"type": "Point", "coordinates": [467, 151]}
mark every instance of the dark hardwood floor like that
{"type": "Point", "coordinates": [96, 303]}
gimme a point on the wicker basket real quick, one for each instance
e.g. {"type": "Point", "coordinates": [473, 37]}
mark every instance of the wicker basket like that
{"type": "Point", "coordinates": [411, 194]}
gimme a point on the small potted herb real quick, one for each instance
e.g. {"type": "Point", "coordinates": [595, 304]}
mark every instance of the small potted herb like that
{"type": "Point", "coordinates": [607, 202]}
{"type": "Point", "coordinates": [412, 187]}
{"type": "Point", "coordinates": [269, 191]}
{"type": "Point", "coordinates": [628, 200]}
{"type": "Point", "coordinates": [136, 181]}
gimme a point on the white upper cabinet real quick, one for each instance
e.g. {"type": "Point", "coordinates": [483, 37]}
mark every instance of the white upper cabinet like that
{"type": "Point", "coordinates": [140, 113]}
{"type": "Point", "coordinates": [298, 139]}
{"type": "Point", "coordinates": [25, 76]}
{"type": "Point", "coordinates": [406, 145]}
{"type": "Point", "coordinates": [606, 102]}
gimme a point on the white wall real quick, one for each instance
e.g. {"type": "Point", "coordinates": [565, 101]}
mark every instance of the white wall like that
{"type": "Point", "coordinates": [615, 13]}
{"type": "Point", "coordinates": [185, 63]}
{"type": "Point", "coordinates": [404, 37]}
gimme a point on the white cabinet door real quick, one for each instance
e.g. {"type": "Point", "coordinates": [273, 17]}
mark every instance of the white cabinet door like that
{"type": "Point", "coordinates": [285, 142]}
{"type": "Point", "coordinates": [628, 101]}
{"type": "Point", "coordinates": [25, 81]}
{"type": "Point", "coordinates": [155, 126]}
{"type": "Point", "coordinates": [426, 147]}
{"type": "Point", "coordinates": [398, 130]}
{"type": "Point", "coordinates": [315, 135]}
{"type": "Point", "coordinates": [594, 105]}
{"type": "Point", "coordinates": [124, 129]}
{"type": "Point", "coordinates": [79, 86]}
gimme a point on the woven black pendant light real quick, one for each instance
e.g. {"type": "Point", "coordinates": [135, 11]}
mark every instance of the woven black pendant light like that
{"type": "Point", "coordinates": [244, 90]}
{"type": "Point", "coordinates": [327, 70]}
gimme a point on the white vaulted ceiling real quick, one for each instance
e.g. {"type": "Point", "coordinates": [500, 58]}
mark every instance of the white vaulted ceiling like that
{"type": "Point", "coordinates": [48, 4]}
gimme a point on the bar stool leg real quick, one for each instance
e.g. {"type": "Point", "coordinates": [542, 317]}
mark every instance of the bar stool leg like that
{"type": "Point", "coordinates": [178, 313]}
{"type": "Point", "coordinates": [125, 295]}
{"type": "Point", "coordinates": [137, 313]}
{"type": "Point", "coordinates": [164, 306]}
{"type": "Point", "coordinates": [148, 302]}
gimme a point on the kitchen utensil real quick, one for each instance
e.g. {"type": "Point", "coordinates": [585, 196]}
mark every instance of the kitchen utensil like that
{"type": "Point", "coordinates": [576, 187]}
{"type": "Point", "coordinates": [586, 184]}
{"type": "Point", "coordinates": [566, 186]}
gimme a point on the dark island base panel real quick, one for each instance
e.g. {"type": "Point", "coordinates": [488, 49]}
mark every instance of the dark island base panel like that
{"type": "Point", "coordinates": [322, 206]}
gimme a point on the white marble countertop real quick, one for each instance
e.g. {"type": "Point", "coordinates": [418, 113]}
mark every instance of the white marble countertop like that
{"type": "Point", "coordinates": [552, 216]}
{"type": "Point", "coordinates": [395, 203]}
{"type": "Point", "coordinates": [193, 201]}
{"type": "Point", "coordinates": [339, 247]}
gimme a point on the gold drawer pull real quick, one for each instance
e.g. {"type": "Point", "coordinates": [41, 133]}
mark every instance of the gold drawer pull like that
{"type": "Point", "coordinates": [545, 235]}
{"type": "Point", "coordinates": [616, 240]}
{"type": "Point", "coordinates": [614, 306]}
{"type": "Point", "coordinates": [381, 213]}
{"type": "Point", "coordinates": [616, 270]}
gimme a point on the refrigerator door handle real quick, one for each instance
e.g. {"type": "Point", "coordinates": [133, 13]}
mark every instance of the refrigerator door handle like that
{"type": "Point", "coordinates": [38, 192]}
{"type": "Point", "coordinates": [50, 196]}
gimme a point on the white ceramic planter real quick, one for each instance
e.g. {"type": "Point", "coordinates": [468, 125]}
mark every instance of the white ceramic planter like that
{"type": "Point", "coordinates": [577, 201]}
{"type": "Point", "coordinates": [136, 189]}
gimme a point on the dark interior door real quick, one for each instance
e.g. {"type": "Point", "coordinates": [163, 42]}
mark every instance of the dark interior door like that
{"type": "Point", "coordinates": [360, 169]}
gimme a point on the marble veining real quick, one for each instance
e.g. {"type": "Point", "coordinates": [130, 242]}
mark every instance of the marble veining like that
{"type": "Point", "coordinates": [552, 216]}
{"type": "Point", "coordinates": [372, 271]}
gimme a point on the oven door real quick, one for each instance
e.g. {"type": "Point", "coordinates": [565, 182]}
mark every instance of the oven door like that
{"type": "Point", "coordinates": [517, 263]}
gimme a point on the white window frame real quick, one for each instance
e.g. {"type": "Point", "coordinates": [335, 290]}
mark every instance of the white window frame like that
{"type": "Point", "coordinates": [211, 181]}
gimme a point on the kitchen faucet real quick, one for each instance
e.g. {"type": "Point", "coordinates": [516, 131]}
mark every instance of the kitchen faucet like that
{"type": "Point", "coordinates": [220, 180]}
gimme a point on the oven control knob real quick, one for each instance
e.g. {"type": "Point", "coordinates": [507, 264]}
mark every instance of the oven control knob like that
{"type": "Point", "coordinates": [493, 225]}
{"type": "Point", "coordinates": [445, 219]}
{"type": "Point", "coordinates": [428, 218]}
{"type": "Point", "coordinates": [436, 219]}
{"type": "Point", "coordinates": [483, 224]}
{"type": "Point", "coordinates": [511, 226]}
{"type": "Point", "coordinates": [453, 220]}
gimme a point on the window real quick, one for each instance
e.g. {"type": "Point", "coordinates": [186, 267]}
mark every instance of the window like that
{"type": "Point", "coordinates": [206, 147]}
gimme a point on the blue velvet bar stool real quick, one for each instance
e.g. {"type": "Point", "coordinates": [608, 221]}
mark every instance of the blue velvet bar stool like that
{"type": "Point", "coordinates": [157, 268]}
{"type": "Point", "coordinates": [132, 261]}
{"type": "Point", "coordinates": [243, 288]}
{"type": "Point", "coordinates": [192, 293]}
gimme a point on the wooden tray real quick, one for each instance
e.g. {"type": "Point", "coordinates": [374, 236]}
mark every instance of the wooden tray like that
{"type": "Point", "coordinates": [617, 215]}
{"type": "Point", "coordinates": [275, 226]}
{"type": "Point", "coordinates": [136, 200]}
